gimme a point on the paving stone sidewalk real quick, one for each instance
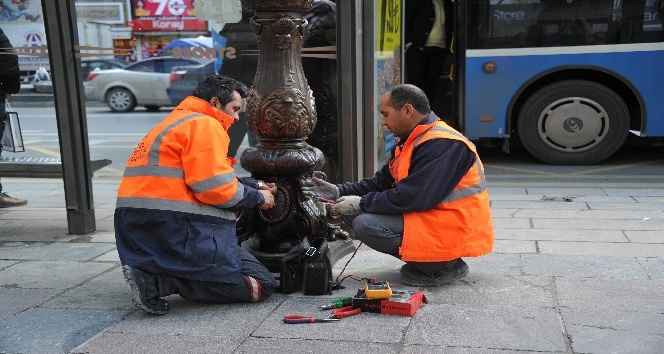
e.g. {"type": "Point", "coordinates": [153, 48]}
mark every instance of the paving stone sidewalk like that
{"type": "Point", "coordinates": [573, 271]}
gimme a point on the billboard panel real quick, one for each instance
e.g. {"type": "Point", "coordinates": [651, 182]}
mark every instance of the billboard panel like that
{"type": "Point", "coordinates": [387, 69]}
{"type": "Point", "coordinates": [166, 15]}
{"type": "Point", "coordinates": [21, 11]}
{"type": "Point", "coordinates": [29, 40]}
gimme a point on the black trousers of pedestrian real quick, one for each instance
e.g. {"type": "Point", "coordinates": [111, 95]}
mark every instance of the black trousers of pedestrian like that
{"type": "Point", "coordinates": [424, 67]}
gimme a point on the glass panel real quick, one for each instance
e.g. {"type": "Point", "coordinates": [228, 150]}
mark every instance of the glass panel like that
{"type": "Point", "coordinates": [320, 68]}
{"type": "Point", "coordinates": [23, 25]}
{"type": "Point", "coordinates": [29, 84]}
{"type": "Point", "coordinates": [240, 60]}
{"type": "Point", "coordinates": [153, 29]}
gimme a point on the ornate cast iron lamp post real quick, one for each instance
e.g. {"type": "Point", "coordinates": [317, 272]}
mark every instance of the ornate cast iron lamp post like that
{"type": "Point", "coordinates": [281, 112]}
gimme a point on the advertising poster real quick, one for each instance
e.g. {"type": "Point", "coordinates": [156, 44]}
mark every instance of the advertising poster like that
{"type": "Point", "coordinates": [23, 23]}
{"type": "Point", "coordinates": [166, 15]}
{"type": "Point", "coordinates": [388, 70]}
{"type": "Point", "coordinates": [21, 11]}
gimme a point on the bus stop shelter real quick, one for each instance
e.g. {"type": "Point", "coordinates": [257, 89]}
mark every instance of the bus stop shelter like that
{"type": "Point", "coordinates": [359, 56]}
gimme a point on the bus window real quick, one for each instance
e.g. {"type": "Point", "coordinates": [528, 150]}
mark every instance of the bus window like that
{"type": "Point", "coordinates": [649, 28]}
{"type": "Point", "coordinates": [501, 24]}
{"type": "Point", "coordinates": [534, 23]}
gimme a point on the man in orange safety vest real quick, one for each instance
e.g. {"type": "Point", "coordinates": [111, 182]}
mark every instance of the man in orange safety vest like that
{"type": "Point", "coordinates": [175, 218]}
{"type": "Point", "coordinates": [429, 206]}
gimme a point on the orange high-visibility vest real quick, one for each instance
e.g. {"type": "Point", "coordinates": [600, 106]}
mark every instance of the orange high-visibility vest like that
{"type": "Point", "coordinates": [461, 225]}
{"type": "Point", "coordinates": [170, 171]}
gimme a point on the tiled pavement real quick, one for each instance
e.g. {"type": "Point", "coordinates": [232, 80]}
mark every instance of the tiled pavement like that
{"type": "Point", "coordinates": [576, 270]}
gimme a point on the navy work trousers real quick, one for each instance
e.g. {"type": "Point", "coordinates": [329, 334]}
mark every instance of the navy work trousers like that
{"type": "Point", "coordinates": [384, 233]}
{"type": "Point", "coordinates": [259, 284]}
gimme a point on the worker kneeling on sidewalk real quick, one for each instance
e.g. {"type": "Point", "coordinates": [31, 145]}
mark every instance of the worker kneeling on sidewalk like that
{"type": "Point", "coordinates": [429, 205]}
{"type": "Point", "coordinates": [176, 211]}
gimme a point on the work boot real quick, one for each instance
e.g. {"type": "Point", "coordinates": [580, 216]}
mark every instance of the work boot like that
{"type": "Point", "coordinates": [452, 270]}
{"type": "Point", "coordinates": [6, 201]}
{"type": "Point", "coordinates": [145, 291]}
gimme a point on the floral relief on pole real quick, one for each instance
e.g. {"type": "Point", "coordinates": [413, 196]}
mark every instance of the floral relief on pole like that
{"type": "Point", "coordinates": [284, 114]}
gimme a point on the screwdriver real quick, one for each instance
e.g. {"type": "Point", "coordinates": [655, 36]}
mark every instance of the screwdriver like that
{"type": "Point", "coordinates": [338, 303]}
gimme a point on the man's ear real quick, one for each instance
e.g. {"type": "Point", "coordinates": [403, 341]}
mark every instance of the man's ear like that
{"type": "Point", "coordinates": [409, 109]}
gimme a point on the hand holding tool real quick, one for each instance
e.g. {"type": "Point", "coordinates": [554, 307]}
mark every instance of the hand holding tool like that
{"type": "Point", "coordinates": [346, 205]}
{"type": "Point", "coordinates": [295, 319]}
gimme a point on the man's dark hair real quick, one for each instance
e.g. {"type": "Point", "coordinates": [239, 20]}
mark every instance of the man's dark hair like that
{"type": "Point", "coordinates": [402, 94]}
{"type": "Point", "coordinates": [221, 87]}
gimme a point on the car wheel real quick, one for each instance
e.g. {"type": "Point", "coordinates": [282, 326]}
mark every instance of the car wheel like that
{"type": "Point", "coordinates": [573, 122]}
{"type": "Point", "coordinates": [120, 100]}
{"type": "Point", "coordinates": [152, 108]}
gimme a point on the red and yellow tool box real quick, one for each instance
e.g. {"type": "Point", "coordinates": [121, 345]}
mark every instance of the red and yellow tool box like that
{"type": "Point", "coordinates": [401, 303]}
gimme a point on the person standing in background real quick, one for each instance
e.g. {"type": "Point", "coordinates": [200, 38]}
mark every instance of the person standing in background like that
{"type": "Point", "coordinates": [10, 82]}
{"type": "Point", "coordinates": [429, 205]}
{"type": "Point", "coordinates": [428, 35]}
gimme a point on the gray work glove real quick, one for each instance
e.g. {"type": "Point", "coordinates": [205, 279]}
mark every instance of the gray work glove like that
{"type": "Point", "coordinates": [323, 189]}
{"type": "Point", "coordinates": [346, 205]}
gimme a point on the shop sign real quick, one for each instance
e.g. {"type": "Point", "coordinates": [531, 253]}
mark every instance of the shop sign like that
{"type": "Point", "coordinates": [165, 15]}
{"type": "Point", "coordinates": [104, 12]}
{"type": "Point", "coordinates": [121, 32]}
{"type": "Point", "coordinates": [169, 25]}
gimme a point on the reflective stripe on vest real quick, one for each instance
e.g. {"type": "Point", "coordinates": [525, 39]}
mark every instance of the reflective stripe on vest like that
{"type": "Point", "coordinates": [469, 191]}
{"type": "Point", "coordinates": [465, 192]}
{"type": "Point", "coordinates": [153, 154]}
{"type": "Point", "coordinates": [174, 205]}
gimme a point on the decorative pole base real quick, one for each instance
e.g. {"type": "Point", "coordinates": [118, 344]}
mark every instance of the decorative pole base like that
{"type": "Point", "coordinates": [294, 238]}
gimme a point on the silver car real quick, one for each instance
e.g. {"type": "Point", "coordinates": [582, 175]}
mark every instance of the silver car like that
{"type": "Point", "coordinates": [140, 84]}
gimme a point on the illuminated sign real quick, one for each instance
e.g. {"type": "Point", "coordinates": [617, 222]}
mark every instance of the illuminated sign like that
{"type": "Point", "coordinates": [166, 15]}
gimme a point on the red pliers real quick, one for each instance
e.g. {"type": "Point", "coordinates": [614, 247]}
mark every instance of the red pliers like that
{"type": "Point", "coordinates": [335, 315]}
{"type": "Point", "coordinates": [344, 312]}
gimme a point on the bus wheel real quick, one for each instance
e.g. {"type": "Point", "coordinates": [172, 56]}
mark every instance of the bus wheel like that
{"type": "Point", "coordinates": [573, 122]}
